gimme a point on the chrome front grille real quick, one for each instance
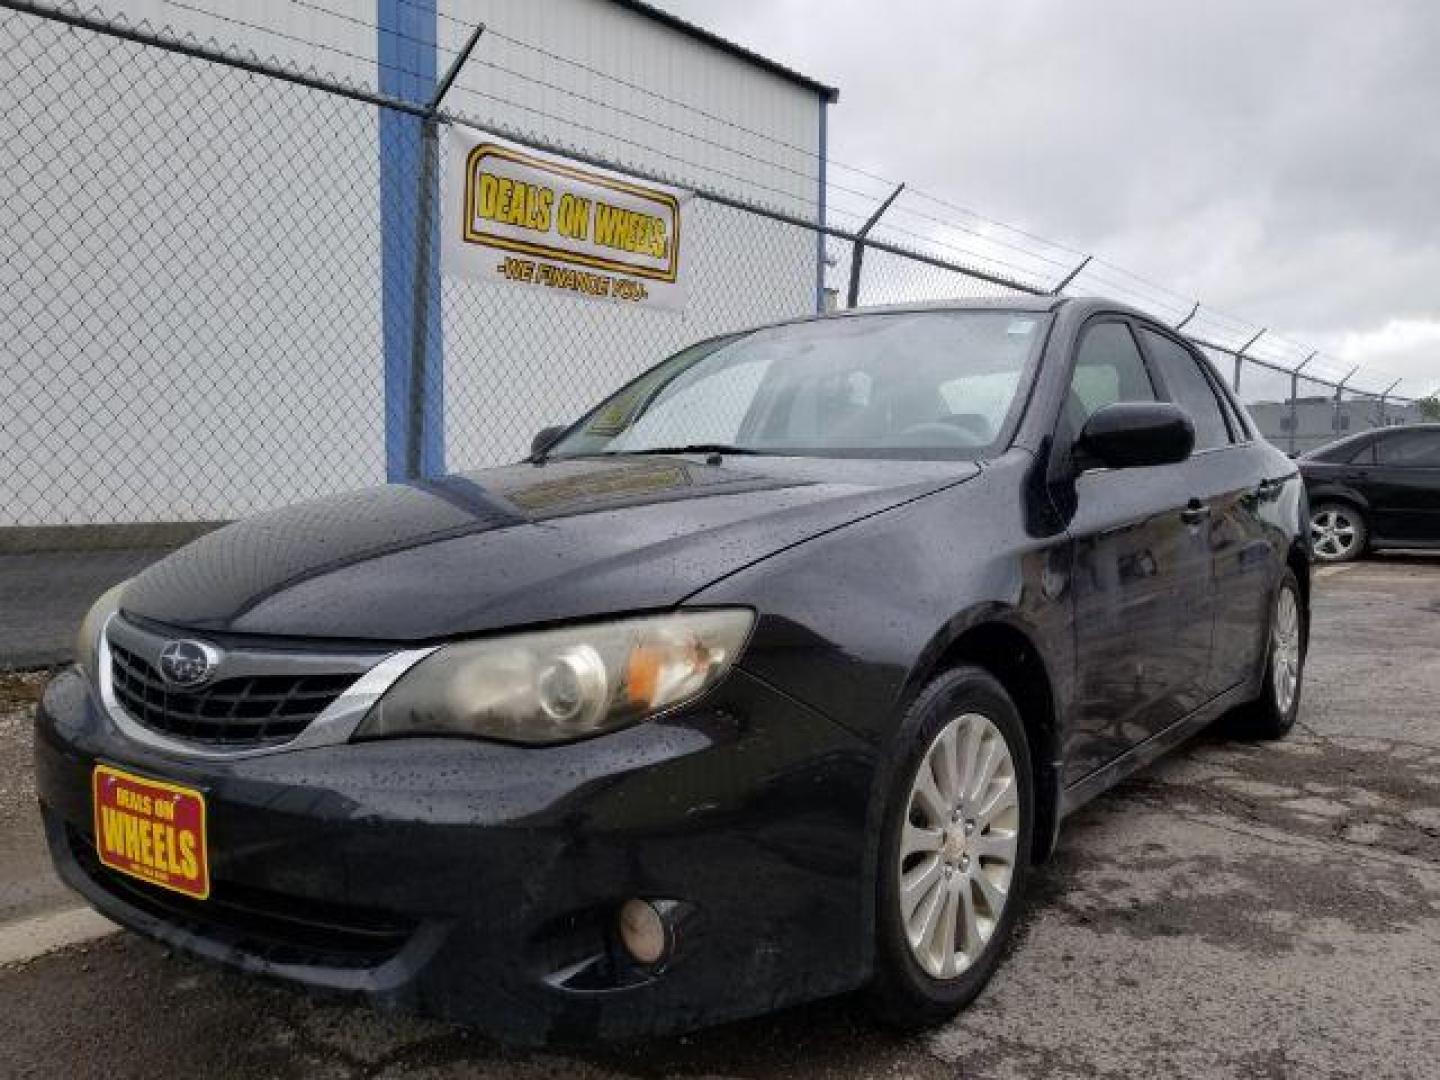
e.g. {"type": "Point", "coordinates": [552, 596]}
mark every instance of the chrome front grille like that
{"type": "Point", "coordinates": [259, 696]}
{"type": "Point", "coordinates": [257, 710]}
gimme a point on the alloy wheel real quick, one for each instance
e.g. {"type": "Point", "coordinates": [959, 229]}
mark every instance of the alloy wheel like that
{"type": "Point", "coordinates": [958, 848]}
{"type": "Point", "coordinates": [1333, 533]}
{"type": "Point", "coordinates": [1285, 650]}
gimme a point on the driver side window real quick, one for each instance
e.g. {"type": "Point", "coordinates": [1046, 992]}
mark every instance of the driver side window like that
{"type": "Point", "coordinates": [1108, 369]}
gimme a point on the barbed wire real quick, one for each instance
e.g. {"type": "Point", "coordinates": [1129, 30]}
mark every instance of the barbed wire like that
{"type": "Point", "coordinates": [296, 39]}
{"type": "Point", "coordinates": [990, 233]}
{"type": "Point", "coordinates": [429, 43]}
{"type": "Point", "coordinates": [985, 230]}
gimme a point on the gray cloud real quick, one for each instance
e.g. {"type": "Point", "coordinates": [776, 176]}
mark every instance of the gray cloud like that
{"type": "Point", "coordinates": [1279, 160]}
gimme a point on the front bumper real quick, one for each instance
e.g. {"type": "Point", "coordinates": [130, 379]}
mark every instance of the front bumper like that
{"type": "Point", "coordinates": [480, 882]}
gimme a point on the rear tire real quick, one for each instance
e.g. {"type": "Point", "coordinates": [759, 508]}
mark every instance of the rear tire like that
{"type": "Point", "coordinates": [1338, 532]}
{"type": "Point", "coordinates": [954, 850]}
{"type": "Point", "coordinates": [1272, 714]}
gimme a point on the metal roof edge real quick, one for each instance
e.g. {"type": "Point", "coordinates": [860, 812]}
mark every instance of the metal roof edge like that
{"type": "Point", "coordinates": [829, 93]}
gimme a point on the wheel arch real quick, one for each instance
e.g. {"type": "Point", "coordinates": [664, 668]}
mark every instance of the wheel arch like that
{"type": "Point", "coordinates": [1301, 563]}
{"type": "Point", "coordinates": [1338, 493]}
{"type": "Point", "coordinates": [996, 640]}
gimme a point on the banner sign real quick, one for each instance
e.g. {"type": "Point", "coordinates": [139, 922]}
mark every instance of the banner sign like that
{"type": "Point", "coordinates": [522, 217]}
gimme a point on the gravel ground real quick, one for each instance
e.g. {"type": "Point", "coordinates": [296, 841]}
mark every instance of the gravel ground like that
{"type": "Point", "coordinates": [1238, 910]}
{"type": "Point", "coordinates": [27, 886]}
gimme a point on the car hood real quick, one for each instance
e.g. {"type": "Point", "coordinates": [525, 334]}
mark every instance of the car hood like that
{"type": "Point", "coordinates": [515, 545]}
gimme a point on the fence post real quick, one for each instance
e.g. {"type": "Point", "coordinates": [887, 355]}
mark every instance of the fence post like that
{"type": "Point", "coordinates": [1295, 395]}
{"type": "Point", "coordinates": [424, 434]}
{"type": "Point", "coordinates": [1340, 386]}
{"type": "Point", "coordinates": [857, 256]}
{"type": "Point", "coordinates": [1294, 408]}
{"type": "Point", "coordinates": [424, 444]}
{"type": "Point", "coordinates": [1240, 357]}
{"type": "Point", "coordinates": [409, 258]}
{"type": "Point", "coordinates": [1384, 394]}
{"type": "Point", "coordinates": [822, 180]}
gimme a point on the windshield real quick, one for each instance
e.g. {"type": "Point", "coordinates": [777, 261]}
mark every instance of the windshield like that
{"type": "Point", "coordinates": [914, 384]}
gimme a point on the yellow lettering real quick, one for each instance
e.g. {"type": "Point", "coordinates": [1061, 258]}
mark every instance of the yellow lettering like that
{"type": "Point", "coordinates": [489, 193]}
{"type": "Point", "coordinates": [161, 837]}
{"type": "Point", "coordinates": [132, 839]}
{"type": "Point", "coordinates": [607, 225]}
{"type": "Point", "coordinates": [513, 202]}
{"type": "Point", "coordinates": [147, 855]}
{"type": "Point", "coordinates": [573, 220]}
{"type": "Point", "coordinates": [172, 856]}
{"type": "Point", "coordinates": [111, 831]}
{"type": "Point", "coordinates": [189, 866]}
{"type": "Point", "coordinates": [509, 213]}
{"type": "Point", "coordinates": [629, 230]}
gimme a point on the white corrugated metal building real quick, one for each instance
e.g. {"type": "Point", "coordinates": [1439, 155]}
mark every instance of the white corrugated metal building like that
{"type": "Point", "coordinates": [194, 256]}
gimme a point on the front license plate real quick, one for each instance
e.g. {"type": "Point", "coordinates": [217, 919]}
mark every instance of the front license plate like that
{"type": "Point", "coordinates": [151, 830]}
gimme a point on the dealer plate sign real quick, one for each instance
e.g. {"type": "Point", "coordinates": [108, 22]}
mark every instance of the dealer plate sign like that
{"type": "Point", "coordinates": [152, 830]}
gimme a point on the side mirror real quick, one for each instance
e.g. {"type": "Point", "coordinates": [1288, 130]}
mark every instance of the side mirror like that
{"type": "Point", "coordinates": [546, 438]}
{"type": "Point", "coordinates": [1134, 433]}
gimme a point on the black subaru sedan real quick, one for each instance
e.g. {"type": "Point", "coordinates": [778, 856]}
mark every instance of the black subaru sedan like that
{"type": "Point", "coordinates": [770, 678]}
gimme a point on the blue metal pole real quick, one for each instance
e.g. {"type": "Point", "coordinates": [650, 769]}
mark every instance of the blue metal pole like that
{"type": "Point", "coordinates": [820, 211]}
{"type": "Point", "coordinates": [405, 51]}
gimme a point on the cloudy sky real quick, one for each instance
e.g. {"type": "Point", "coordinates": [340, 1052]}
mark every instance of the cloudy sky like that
{"type": "Point", "coordinates": [1278, 159]}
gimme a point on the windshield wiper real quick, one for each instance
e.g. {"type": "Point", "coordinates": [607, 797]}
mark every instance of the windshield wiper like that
{"type": "Point", "coordinates": [687, 448]}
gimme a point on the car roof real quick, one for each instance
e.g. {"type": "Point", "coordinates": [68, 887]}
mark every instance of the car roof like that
{"type": "Point", "coordinates": [1358, 437]}
{"type": "Point", "coordinates": [1032, 304]}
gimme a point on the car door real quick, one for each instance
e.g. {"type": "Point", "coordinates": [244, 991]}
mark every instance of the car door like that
{"type": "Point", "coordinates": [1227, 484]}
{"type": "Point", "coordinates": [1403, 487]}
{"type": "Point", "coordinates": [1141, 577]}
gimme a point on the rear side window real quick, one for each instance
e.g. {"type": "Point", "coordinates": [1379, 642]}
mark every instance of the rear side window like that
{"type": "Point", "coordinates": [1189, 388]}
{"type": "Point", "coordinates": [1416, 448]}
{"type": "Point", "coordinates": [1365, 455]}
{"type": "Point", "coordinates": [1108, 369]}
{"type": "Point", "coordinates": [1239, 429]}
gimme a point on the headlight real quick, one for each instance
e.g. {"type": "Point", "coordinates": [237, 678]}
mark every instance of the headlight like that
{"type": "Point", "coordinates": [557, 685]}
{"type": "Point", "coordinates": [87, 642]}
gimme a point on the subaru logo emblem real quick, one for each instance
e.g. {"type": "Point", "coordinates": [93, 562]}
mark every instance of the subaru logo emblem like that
{"type": "Point", "coordinates": [188, 663]}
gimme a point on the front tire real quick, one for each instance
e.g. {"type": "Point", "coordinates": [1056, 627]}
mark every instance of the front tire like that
{"type": "Point", "coordinates": [955, 849]}
{"type": "Point", "coordinates": [1338, 532]}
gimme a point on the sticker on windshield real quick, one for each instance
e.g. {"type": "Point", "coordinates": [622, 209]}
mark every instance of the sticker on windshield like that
{"type": "Point", "coordinates": [1020, 327]}
{"type": "Point", "coordinates": [616, 416]}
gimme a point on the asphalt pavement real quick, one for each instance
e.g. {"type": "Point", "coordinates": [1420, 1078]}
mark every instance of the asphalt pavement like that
{"type": "Point", "coordinates": [44, 595]}
{"type": "Point", "coordinates": [1238, 910]}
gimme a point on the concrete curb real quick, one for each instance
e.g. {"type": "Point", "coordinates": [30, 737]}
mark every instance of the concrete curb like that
{"type": "Point", "coordinates": [28, 539]}
{"type": "Point", "coordinates": [41, 934]}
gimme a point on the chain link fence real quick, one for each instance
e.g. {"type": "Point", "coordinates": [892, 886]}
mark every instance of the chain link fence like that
{"type": "Point", "coordinates": [191, 315]}
{"type": "Point", "coordinates": [193, 281]}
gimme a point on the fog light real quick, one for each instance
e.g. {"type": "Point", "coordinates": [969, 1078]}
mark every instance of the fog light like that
{"type": "Point", "coordinates": [643, 932]}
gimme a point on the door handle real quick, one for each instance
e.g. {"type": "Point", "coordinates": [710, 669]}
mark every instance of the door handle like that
{"type": "Point", "coordinates": [1195, 512]}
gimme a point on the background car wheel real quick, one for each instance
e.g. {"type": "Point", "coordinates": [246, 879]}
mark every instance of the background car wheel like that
{"type": "Point", "coordinates": [954, 851]}
{"type": "Point", "coordinates": [1337, 532]}
{"type": "Point", "coordinates": [1272, 714]}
